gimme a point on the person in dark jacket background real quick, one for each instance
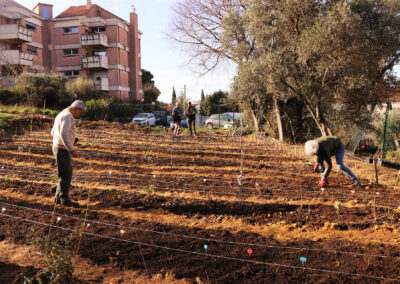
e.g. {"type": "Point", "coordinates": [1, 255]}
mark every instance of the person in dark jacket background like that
{"type": "Point", "coordinates": [324, 148]}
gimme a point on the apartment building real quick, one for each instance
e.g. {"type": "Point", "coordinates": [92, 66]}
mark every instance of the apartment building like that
{"type": "Point", "coordinates": [83, 41]}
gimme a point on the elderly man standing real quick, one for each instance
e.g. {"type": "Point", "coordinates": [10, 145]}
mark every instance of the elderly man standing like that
{"type": "Point", "coordinates": [63, 133]}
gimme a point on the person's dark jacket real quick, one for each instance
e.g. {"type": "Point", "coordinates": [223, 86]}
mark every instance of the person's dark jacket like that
{"type": "Point", "coordinates": [328, 146]}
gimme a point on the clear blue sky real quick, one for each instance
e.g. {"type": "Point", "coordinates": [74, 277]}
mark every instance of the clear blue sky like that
{"type": "Point", "coordinates": [159, 55]}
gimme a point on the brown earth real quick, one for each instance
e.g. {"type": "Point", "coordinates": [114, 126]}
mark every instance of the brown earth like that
{"type": "Point", "coordinates": [173, 198]}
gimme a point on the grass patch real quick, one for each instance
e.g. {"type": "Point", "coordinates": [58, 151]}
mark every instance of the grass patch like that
{"type": "Point", "coordinates": [4, 124]}
{"type": "Point", "coordinates": [8, 116]}
{"type": "Point", "coordinates": [16, 109]}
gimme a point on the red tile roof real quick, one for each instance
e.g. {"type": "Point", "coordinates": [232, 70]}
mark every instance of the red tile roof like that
{"type": "Point", "coordinates": [12, 3]}
{"type": "Point", "coordinates": [74, 11]}
{"type": "Point", "coordinates": [82, 10]}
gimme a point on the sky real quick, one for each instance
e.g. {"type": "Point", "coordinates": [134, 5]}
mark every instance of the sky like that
{"type": "Point", "coordinates": [162, 57]}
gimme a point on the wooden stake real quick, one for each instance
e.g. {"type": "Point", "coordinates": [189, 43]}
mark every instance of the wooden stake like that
{"type": "Point", "coordinates": [376, 171]}
{"type": "Point", "coordinates": [397, 179]}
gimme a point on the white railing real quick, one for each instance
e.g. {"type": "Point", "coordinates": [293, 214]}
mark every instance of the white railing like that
{"type": "Point", "coordinates": [96, 61]}
{"type": "Point", "coordinates": [15, 32]}
{"type": "Point", "coordinates": [94, 39]}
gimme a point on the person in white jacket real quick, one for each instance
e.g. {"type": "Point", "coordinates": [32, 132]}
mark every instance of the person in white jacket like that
{"type": "Point", "coordinates": [63, 133]}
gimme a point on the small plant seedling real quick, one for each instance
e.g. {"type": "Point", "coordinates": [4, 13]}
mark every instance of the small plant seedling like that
{"type": "Point", "coordinates": [149, 189]}
{"type": "Point", "coordinates": [337, 206]}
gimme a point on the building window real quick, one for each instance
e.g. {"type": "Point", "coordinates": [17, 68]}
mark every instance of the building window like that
{"type": "Point", "coordinates": [98, 13]}
{"type": "Point", "coordinates": [30, 26]}
{"type": "Point", "coordinates": [72, 73]}
{"type": "Point", "coordinates": [71, 30]}
{"type": "Point", "coordinates": [31, 49]}
{"type": "Point", "coordinates": [98, 29]}
{"type": "Point", "coordinates": [71, 52]}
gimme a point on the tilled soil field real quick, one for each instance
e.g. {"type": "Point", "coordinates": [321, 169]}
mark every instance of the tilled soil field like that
{"type": "Point", "coordinates": [209, 209]}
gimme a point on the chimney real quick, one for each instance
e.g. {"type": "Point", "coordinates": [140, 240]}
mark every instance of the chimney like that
{"type": "Point", "coordinates": [88, 4]}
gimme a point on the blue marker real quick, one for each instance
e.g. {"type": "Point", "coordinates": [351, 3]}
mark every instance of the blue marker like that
{"type": "Point", "coordinates": [206, 247]}
{"type": "Point", "coordinates": [308, 166]}
{"type": "Point", "coordinates": [303, 259]}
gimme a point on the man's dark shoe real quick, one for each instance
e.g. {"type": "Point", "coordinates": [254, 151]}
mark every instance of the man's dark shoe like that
{"type": "Point", "coordinates": [69, 203]}
{"type": "Point", "coordinates": [358, 184]}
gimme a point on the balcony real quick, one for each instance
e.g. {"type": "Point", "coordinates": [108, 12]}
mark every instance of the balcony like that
{"type": "Point", "coordinates": [95, 62]}
{"type": "Point", "coordinates": [15, 57]}
{"type": "Point", "coordinates": [94, 39]}
{"type": "Point", "coordinates": [101, 85]}
{"type": "Point", "coordinates": [15, 33]}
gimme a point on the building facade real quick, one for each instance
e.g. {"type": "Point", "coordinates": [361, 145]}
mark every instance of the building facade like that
{"type": "Point", "coordinates": [83, 41]}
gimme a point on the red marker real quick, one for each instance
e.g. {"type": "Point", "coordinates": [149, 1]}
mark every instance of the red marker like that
{"type": "Point", "coordinates": [249, 251]}
{"type": "Point", "coordinates": [362, 146]}
{"type": "Point", "coordinates": [230, 183]}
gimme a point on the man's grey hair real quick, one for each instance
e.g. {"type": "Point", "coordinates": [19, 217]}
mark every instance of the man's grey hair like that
{"type": "Point", "coordinates": [311, 147]}
{"type": "Point", "coordinates": [78, 104]}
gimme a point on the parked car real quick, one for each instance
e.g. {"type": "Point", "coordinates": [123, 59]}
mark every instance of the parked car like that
{"type": "Point", "coordinates": [161, 117]}
{"type": "Point", "coordinates": [218, 121]}
{"type": "Point", "coordinates": [144, 119]}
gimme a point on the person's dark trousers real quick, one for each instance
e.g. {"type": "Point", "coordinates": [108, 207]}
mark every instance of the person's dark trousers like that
{"type": "Point", "coordinates": [192, 126]}
{"type": "Point", "coordinates": [64, 165]}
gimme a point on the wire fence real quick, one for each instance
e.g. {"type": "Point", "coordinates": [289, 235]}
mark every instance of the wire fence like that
{"type": "Point", "coordinates": [235, 185]}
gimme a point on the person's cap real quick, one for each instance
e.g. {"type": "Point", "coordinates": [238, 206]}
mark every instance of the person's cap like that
{"type": "Point", "coordinates": [78, 104]}
{"type": "Point", "coordinates": [189, 103]}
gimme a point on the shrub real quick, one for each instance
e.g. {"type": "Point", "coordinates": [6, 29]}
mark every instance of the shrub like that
{"type": "Point", "coordinates": [9, 97]}
{"type": "Point", "coordinates": [106, 109]}
{"type": "Point", "coordinates": [35, 88]}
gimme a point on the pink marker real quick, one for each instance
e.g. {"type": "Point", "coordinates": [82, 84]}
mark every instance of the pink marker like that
{"type": "Point", "coordinates": [230, 183]}
{"type": "Point", "coordinates": [249, 251]}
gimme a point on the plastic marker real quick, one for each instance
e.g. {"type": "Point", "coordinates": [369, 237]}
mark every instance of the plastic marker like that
{"type": "Point", "coordinates": [322, 189]}
{"type": "Point", "coordinates": [204, 180]}
{"type": "Point", "coordinates": [58, 219]}
{"type": "Point", "coordinates": [239, 179]}
{"type": "Point", "coordinates": [3, 210]}
{"type": "Point", "coordinates": [87, 225]}
{"type": "Point", "coordinates": [130, 175]}
{"type": "Point", "coordinates": [249, 251]}
{"type": "Point", "coordinates": [303, 259]}
{"type": "Point", "coordinates": [308, 166]}
{"type": "Point", "coordinates": [122, 232]}
{"type": "Point", "coordinates": [205, 248]}
{"type": "Point", "coordinates": [109, 173]}
{"type": "Point", "coordinates": [230, 183]}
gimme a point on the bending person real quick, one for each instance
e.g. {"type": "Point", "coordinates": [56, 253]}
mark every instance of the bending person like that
{"type": "Point", "coordinates": [324, 148]}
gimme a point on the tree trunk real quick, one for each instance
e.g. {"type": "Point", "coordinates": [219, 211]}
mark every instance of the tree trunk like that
{"type": "Point", "coordinates": [318, 118]}
{"type": "Point", "coordinates": [256, 121]}
{"type": "Point", "coordinates": [278, 119]}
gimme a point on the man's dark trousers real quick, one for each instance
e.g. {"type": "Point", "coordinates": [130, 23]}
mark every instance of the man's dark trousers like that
{"type": "Point", "coordinates": [64, 165]}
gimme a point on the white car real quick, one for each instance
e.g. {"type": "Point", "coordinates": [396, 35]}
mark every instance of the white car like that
{"type": "Point", "coordinates": [144, 119]}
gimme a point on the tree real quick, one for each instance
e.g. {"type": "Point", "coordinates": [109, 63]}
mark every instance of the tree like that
{"type": "Point", "coordinates": [151, 92]}
{"type": "Point", "coordinates": [173, 100]}
{"type": "Point", "coordinates": [35, 88]}
{"type": "Point", "coordinates": [197, 27]}
{"type": "Point", "coordinates": [147, 77]}
{"type": "Point", "coordinates": [83, 88]}
{"type": "Point", "coordinates": [202, 104]}
{"type": "Point", "coordinates": [218, 102]}
{"type": "Point", "coordinates": [326, 53]}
